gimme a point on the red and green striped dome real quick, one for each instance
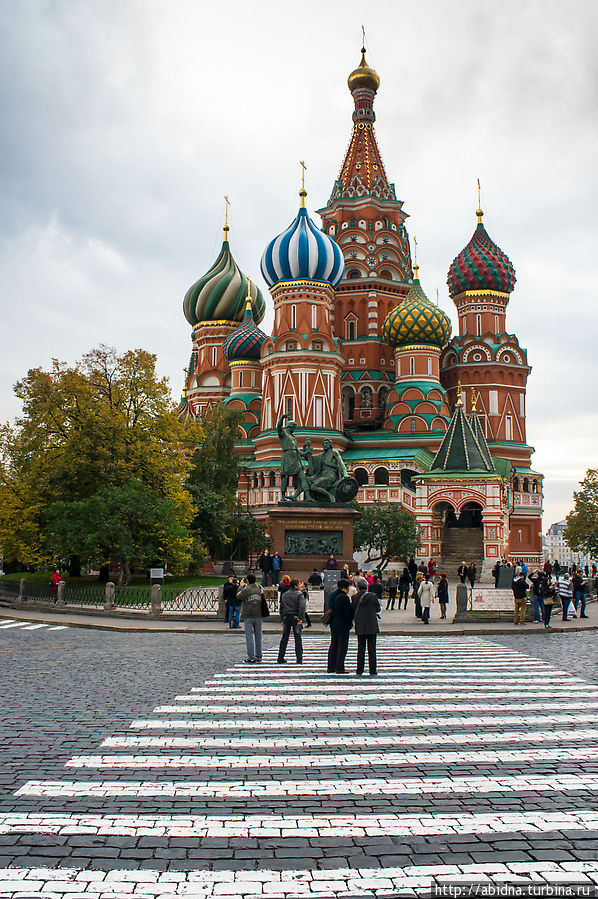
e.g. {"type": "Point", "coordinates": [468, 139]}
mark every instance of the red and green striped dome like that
{"type": "Point", "coordinates": [244, 344]}
{"type": "Point", "coordinates": [481, 265]}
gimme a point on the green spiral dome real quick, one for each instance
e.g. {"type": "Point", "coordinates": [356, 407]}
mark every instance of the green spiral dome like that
{"type": "Point", "coordinates": [220, 295]}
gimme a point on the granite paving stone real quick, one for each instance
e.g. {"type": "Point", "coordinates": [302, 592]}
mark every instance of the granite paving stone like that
{"type": "Point", "coordinates": [361, 786]}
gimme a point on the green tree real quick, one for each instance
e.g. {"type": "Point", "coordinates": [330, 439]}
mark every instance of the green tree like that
{"type": "Point", "coordinates": [582, 523]}
{"type": "Point", "coordinates": [133, 525]}
{"type": "Point", "coordinates": [104, 422]}
{"type": "Point", "coordinates": [386, 531]}
{"type": "Point", "coordinates": [212, 483]}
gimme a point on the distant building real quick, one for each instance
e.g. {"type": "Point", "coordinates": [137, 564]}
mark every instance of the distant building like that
{"type": "Point", "coordinates": [555, 547]}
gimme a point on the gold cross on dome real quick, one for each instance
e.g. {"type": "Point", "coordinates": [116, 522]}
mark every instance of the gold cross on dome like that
{"type": "Point", "coordinates": [226, 228]}
{"type": "Point", "coordinates": [303, 192]}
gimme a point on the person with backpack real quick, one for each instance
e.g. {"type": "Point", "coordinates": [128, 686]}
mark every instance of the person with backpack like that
{"type": "Point", "coordinates": [519, 587]}
{"type": "Point", "coordinates": [341, 620]}
{"type": "Point", "coordinates": [548, 597]}
{"type": "Point", "coordinates": [254, 609]}
{"type": "Point", "coordinates": [365, 612]}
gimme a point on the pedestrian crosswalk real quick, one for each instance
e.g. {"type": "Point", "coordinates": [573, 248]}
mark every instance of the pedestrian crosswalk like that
{"type": "Point", "coordinates": [462, 760]}
{"type": "Point", "coordinates": [27, 626]}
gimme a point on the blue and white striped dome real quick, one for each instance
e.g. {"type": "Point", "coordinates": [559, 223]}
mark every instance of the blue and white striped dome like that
{"type": "Point", "coordinates": [302, 252]}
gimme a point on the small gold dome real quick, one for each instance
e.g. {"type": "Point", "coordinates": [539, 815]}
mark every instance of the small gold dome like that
{"type": "Point", "coordinates": [363, 76]}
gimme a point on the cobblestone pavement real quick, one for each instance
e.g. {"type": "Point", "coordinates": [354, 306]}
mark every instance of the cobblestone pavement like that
{"type": "Point", "coordinates": [162, 766]}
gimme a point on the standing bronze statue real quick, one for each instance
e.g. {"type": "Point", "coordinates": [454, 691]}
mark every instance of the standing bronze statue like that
{"type": "Point", "coordinates": [325, 479]}
{"type": "Point", "coordinates": [290, 463]}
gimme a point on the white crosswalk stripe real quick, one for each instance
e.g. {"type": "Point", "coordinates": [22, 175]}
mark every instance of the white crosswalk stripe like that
{"type": "Point", "coordinates": [455, 738]}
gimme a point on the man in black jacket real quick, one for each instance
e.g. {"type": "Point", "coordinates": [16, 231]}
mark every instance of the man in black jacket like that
{"type": "Point", "coordinates": [292, 613]}
{"type": "Point", "coordinates": [340, 626]}
{"type": "Point", "coordinates": [265, 564]}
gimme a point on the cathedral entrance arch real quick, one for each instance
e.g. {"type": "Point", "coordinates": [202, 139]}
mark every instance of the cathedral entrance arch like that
{"type": "Point", "coordinates": [444, 514]}
{"type": "Point", "coordinates": [471, 516]}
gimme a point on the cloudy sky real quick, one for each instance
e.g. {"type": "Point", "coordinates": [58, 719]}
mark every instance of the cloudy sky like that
{"type": "Point", "coordinates": [124, 122]}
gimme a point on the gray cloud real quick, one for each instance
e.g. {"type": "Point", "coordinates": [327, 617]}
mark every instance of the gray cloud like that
{"type": "Point", "coordinates": [123, 124]}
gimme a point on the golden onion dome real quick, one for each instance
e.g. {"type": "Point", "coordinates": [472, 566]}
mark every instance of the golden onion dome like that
{"type": "Point", "coordinates": [363, 76]}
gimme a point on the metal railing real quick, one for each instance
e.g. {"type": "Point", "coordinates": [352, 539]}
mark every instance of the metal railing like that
{"type": "Point", "coordinates": [88, 595]}
{"type": "Point", "coordinates": [191, 599]}
{"type": "Point", "coordinates": [132, 597]}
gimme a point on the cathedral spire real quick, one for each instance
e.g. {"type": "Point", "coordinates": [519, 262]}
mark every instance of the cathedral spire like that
{"type": "Point", "coordinates": [362, 173]}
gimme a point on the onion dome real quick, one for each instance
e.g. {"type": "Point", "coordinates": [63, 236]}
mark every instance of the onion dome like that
{"type": "Point", "coordinates": [416, 320]}
{"type": "Point", "coordinates": [303, 253]}
{"type": "Point", "coordinates": [244, 344]}
{"type": "Point", "coordinates": [220, 294]}
{"type": "Point", "coordinates": [481, 265]}
{"type": "Point", "coordinates": [363, 76]}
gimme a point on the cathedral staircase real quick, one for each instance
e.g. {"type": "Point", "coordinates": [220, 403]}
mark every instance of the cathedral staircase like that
{"type": "Point", "coordinates": [460, 544]}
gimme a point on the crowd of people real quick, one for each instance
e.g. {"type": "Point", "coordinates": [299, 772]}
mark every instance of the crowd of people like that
{"type": "Point", "coordinates": [546, 586]}
{"type": "Point", "coordinates": [357, 601]}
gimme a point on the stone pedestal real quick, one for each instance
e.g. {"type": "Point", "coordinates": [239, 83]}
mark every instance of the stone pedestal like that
{"type": "Point", "coordinates": [306, 533]}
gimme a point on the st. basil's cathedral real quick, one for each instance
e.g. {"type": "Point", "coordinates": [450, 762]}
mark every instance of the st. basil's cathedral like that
{"type": "Point", "coordinates": [358, 353]}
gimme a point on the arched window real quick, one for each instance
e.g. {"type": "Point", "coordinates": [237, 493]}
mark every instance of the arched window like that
{"type": "Point", "coordinates": [381, 477]}
{"type": "Point", "coordinates": [534, 486]}
{"type": "Point", "coordinates": [348, 403]}
{"type": "Point", "coordinates": [361, 476]}
{"type": "Point", "coordinates": [516, 484]}
{"type": "Point", "coordinates": [350, 330]}
{"type": "Point", "coordinates": [272, 479]}
{"type": "Point", "coordinates": [314, 317]}
{"type": "Point", "coordinates": [354, 273]}
{"type": "Point", "coordinates": [412, 365]}
{"type": "Point", "coordinates": [478, 325]}
{"type": "Point", "coordinates": [293, 317]}
{"type": "Point", "coordinates": [366, 397]}
{"type": "Point", "coordinates": [382, 394]}
{"type": "Point", "coordinates": [525, 485]}
{"type": "Point", "coordinates": [386, 275]}
{"type": "Point", "coordinates": [413, 425]}
{"type": "Point", "coordinates": [255, 482]}
{"type": "Point", "coordinates": [496, 324]}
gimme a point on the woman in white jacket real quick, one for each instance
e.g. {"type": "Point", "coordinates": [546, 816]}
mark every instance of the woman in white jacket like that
{"type": "Point", "coordinates": [426, 597]}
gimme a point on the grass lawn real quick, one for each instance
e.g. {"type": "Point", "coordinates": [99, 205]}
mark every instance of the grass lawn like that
{"type": "Point", "coordinates": [179, 581]}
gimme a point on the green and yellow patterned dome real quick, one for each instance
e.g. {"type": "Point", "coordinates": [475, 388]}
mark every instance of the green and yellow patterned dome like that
{"type": "Point", "coordinates": [416, 320]}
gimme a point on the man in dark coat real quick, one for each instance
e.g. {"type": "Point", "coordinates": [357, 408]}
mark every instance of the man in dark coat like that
{"type": "Point", "coordinates": [292, 613]}
{"type": "Point", "coordinates": [265, 564]}
{"type": "Point", "coordinates": [365, 611]}
{"type": "Point", "coordinates": [340, 626]}
{"type": "Point", "coordinates": [315, 579]}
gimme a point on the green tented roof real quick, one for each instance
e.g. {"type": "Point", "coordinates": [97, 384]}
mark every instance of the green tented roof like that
{"type": "Point", "coordinates": [460, 450]}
